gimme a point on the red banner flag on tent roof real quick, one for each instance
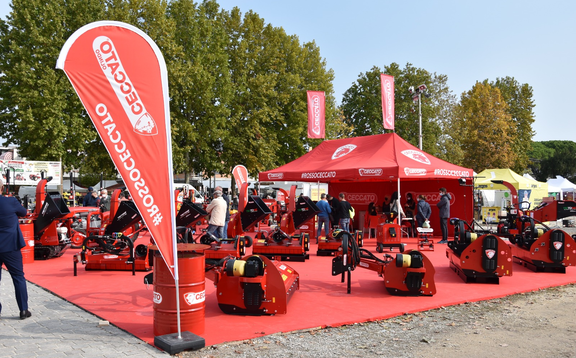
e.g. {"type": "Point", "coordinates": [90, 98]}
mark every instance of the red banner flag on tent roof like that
{"type": "Point", "coordinates": [120, 76]}
{"type": "Point", "coordinates": [387, 85]}
{"type": "Point", "coordinates": [316, 114]}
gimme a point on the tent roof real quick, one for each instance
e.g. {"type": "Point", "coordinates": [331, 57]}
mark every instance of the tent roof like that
{"type": "Point", "coordinates": [560, 184]}
{"type": "Point", "coordinates": [380, 157]}
{"type": "Point", "coordinates": [484, 180]}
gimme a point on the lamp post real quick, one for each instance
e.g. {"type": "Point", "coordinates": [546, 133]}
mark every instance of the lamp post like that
{"type": "Point", "coordinates": [417, 96]}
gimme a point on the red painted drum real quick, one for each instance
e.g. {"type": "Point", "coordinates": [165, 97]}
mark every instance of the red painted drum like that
{"type": "Point", "coordinates": [192, 292]}
{"type": "Point", "coordinates": [28, 250]}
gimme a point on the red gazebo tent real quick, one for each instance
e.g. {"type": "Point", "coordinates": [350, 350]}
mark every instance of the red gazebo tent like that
{"type": "Point", "coordinates": [369, 168]}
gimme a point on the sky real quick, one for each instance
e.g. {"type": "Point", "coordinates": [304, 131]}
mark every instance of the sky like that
{"type": "Point", "coordinates": [468, 41]}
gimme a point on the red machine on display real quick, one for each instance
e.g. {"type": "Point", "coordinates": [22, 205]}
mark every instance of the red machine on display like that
{"type": "Point", "coordinates": [542, 249]}
{"type": "Point", "coordinates": [254, 285]}
{"type": "Point", "coordinates": [282, 242]}
{"type": "Point", "coordinates": [50, 236]}
{"type": "Point", "coordinates": [539, 249]}
{"type": "Point", "coordinates": [553, 210]}
{"type": "Point", "coordinates": [409, 274]}
{"type": "Point", "coordinates": [476, 258]}
{"type": "Point", "coordinates": [113, 249]}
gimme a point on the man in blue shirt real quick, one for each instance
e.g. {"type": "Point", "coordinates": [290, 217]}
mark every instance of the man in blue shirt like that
{"type": "Point", "coordinates": [323, 216]}
{"type": "Point", "coordinates": [11, 241]}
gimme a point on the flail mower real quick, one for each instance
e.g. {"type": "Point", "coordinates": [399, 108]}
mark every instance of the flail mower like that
{"type": "Point", "coordinates": [253, 285]}
{"type": "Point", "coordinates": [478, 258]}
{"type": "Point", "coordinates": [408, 274]}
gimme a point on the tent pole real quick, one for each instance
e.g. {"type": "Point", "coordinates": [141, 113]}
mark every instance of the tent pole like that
{"type": "Point", "coordinates": [399, 212]}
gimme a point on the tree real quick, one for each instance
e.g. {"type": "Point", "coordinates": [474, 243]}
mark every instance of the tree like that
{"type": "Point", "coordinates": [270, 72]}
{"type": "Point", "coordinates": [551, 158]}
{"type": "Point", "coordinates": [484, 129]}
{"type": "Point", "coordinates": [39, 110]}
{"type": "Point", "coordinates": [362, 106]}
{"type": "Point", "coordinates": [520, 107]}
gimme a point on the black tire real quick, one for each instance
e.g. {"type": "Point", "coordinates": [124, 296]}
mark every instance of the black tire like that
{"type": "Point", "coordinates": [248, 240]}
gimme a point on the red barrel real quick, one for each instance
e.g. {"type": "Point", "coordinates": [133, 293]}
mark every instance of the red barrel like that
{"type": "Point", "coordinates": [28, 250]}
{"type": "Point", "coordinates": [192, 293]}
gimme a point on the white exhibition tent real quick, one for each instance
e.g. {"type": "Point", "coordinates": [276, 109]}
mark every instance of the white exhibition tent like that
{"type": "Point", "coordinates": [561, 185]}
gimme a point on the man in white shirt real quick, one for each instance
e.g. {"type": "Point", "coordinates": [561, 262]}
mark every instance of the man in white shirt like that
{"type": "Point", "coordinates": [217, 211]}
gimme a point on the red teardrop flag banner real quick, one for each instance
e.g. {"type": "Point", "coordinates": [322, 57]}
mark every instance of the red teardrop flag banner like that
{"type": "Point", "coordinates": [120, 76]}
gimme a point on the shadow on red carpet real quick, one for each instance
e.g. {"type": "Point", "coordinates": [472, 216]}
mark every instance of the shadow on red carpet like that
{"type": "Point", "coordinates": [321, 301]}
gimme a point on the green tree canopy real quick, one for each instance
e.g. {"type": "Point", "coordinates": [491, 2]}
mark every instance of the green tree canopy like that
{"type": "Point", "coordinates": [484, 129]}
{"type": "Point", "coordinates": [551, 158]}
{"type": "Point", "coordinates": [237, 85]}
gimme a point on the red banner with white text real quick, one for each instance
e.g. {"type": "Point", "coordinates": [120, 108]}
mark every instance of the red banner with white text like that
{"type": "Point", "coordinates": [316, 114]}
{"type": "Point", "coordinates": [120, 76]}
{"type": "Point", "coordinates": [387, 85]}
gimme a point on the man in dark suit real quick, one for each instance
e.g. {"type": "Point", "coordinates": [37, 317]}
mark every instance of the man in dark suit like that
{"type": "Point", "coordinates": [11, 241]}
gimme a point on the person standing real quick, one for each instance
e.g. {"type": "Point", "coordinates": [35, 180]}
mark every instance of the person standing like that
{"type": "Point", "coordinates": [104, 202]}
{"type": "Point", "coordinates": [335, 205]}
{"type": "Point", "coordinates": [344, 215]}
{"type": "Point", "coordinates": [444, 206]}
{"type": "Point", "coordinates": [323, 216]}
{"type": "Point", "coordinates": [227, 219]}
{"type": "Point", "coordinates": [424, 211]}
{"type": "Point", "coordinates": [91, 198]}
{"type": "Point", "coordinates": [11, 241]}
{"type": "Point", "coordinates": [409, 208]}
{"type": "Point", "coordinates": [217, 211]}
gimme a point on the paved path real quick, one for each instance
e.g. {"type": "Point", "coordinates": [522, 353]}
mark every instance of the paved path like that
{"type": "Point", "coordinates": [58, 328]}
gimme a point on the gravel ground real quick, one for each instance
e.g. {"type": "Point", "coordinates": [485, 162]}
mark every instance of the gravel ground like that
{"type": "Point", "coordinates": [537, 324]}
{"type": "Point", "coordinates": [534, 324]}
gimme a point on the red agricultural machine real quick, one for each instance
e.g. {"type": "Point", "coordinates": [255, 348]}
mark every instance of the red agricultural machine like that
{"type": "Point", "coordinates": [253, 285]}
{"type": "Point", "coordinates": [538, 248]}
{"type": "Point", "coordinates": [542, 249]}
{"type": "Point", "coordinates": [51, 237]}
{"type": "Point", "coordinates": [477, 258]}
{"type": "Point", "coordinates": [409, 274]}
{"type": "Point", "coordinates": [282, 242]}
{"type": "Point", "coordinates": [113, 249]}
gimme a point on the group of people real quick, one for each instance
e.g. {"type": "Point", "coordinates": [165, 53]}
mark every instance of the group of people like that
{"type": "Point", "coordinates": [101, 201]}
{"type": "Point", "coordinates": [419, 212]}
{"type": "Point", "coordinates": [333, 212]}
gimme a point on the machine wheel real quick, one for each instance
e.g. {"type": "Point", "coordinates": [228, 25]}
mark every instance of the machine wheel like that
{"type": "Point", "coordinates": [402, 247]}
{"type": "Point", "coordinates": [380, 248]}
{"type": "Point", "coordinates": [248, 241]}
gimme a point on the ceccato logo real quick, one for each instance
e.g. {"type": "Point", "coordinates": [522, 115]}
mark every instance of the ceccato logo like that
{"type": "Point", "coordinates": [343, 150]}
{"type": "Point", "coordinates": [157, 298]}
{"type": "Point", "coordinates": [193, 298]}
{"type": "Point", "coordinates": [273, 176]}
{"type": "Point", "coordinates": [417, 156]}
{"type": "Point", "coordinates": [370, 172]}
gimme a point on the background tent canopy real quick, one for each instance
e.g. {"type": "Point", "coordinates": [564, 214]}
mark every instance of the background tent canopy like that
{"type": "Point", "coordinates": [528, 190]}
{"type": "Point", "coordinates": [380, 157]}
{"type": "Point", "coordinates": [560, 184]}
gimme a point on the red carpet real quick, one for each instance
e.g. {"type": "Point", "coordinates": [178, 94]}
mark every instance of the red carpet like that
{"type": "Point", "coordinates": [321, 301]}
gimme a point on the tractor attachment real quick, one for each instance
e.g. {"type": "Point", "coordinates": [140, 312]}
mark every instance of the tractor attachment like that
{"type": "Point", "coordinates": [478, 259]}
{"type": "Point", "coordinates": [253, 285]}
{"type": "Point", "coordinates": [542, 249]}
{"type": "Point", "coordinates": [282, 243]}
{"type": "Point", "coordinates": [409, 274]}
